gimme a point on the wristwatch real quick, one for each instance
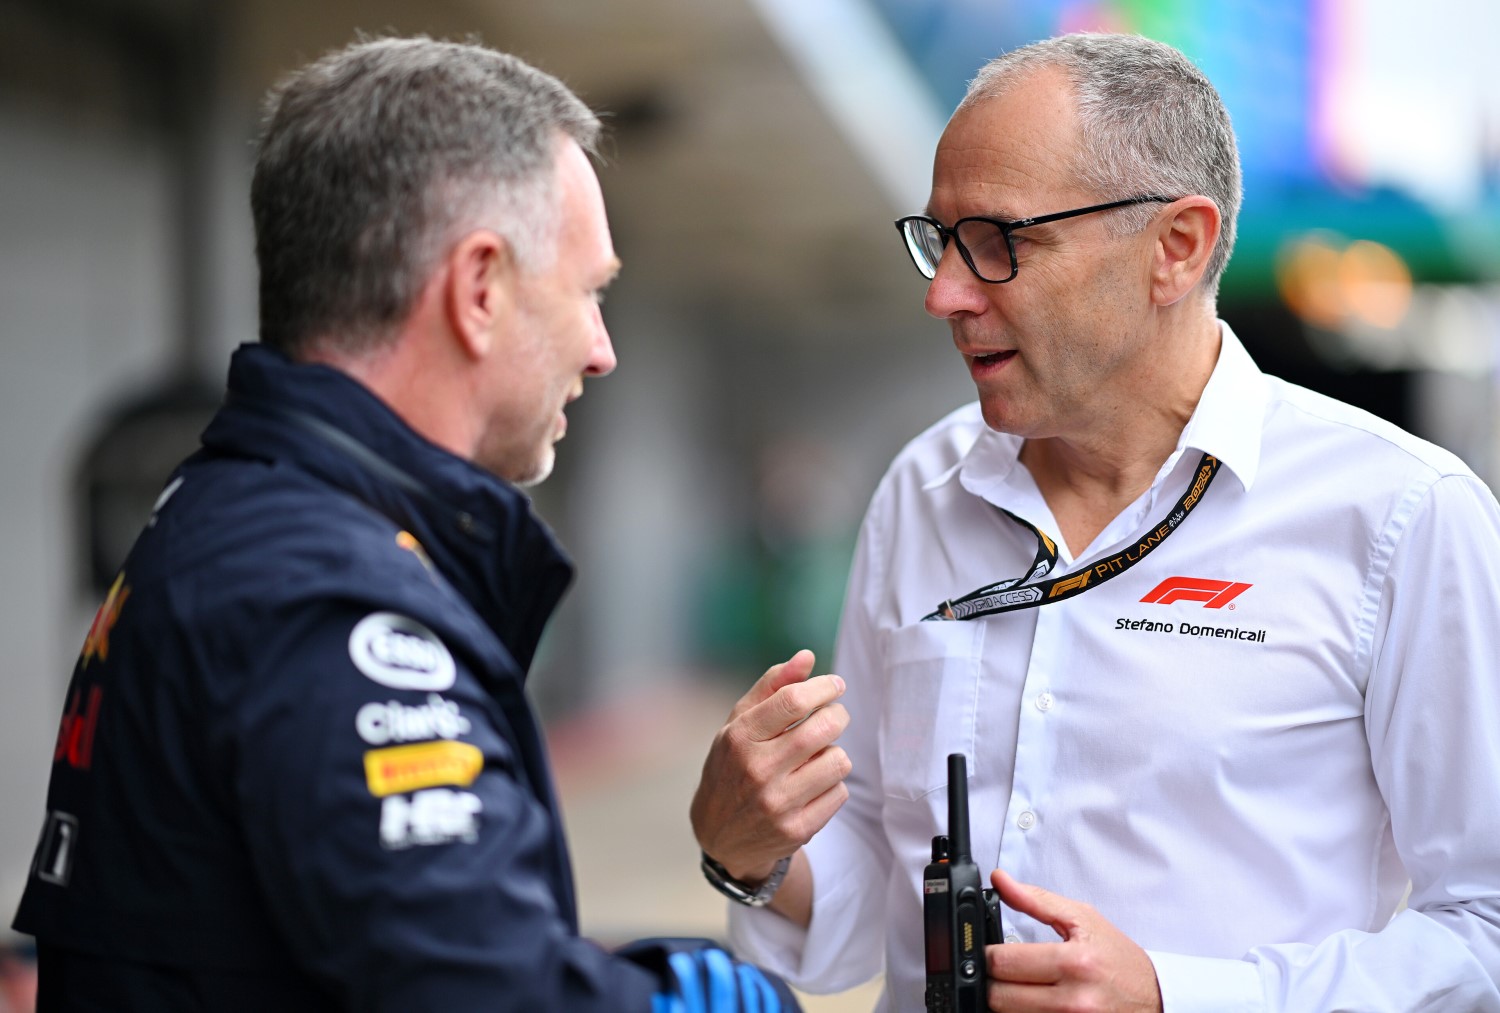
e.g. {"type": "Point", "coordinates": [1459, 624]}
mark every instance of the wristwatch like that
{"type": "Point", "coordinates": [751, 896]}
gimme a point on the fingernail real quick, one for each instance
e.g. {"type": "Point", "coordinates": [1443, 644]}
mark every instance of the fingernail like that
{"type": "Point", "coordinates": [838, 681]}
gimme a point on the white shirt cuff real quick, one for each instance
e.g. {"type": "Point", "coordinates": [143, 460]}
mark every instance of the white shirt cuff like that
{"type": "Point", "coordinates": [813, 959]}
{"type": "Point", "coordinates": [1207, 984]}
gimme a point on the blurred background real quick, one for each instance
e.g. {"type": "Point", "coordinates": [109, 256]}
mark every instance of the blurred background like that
{"type": "Point", "coordinates": [774, 353]}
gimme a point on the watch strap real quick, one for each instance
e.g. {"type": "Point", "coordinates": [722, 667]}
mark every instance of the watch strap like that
{"type": "Point", "coordinates": [751, 896]}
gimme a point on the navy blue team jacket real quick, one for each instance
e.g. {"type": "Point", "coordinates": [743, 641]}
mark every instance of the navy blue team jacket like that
{"type": "Point", "coordinates": [296, 769]}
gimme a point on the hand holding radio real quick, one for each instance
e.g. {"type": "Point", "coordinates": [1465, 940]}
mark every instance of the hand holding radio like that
{"type": "Point", "coordinates": [773, 777]}
{"type": "Point", "coordinates": [1095, 966]}
{"type": "Point", "coordinates": [960, 919]}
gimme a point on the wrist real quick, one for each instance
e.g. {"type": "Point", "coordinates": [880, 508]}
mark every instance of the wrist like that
{"type": "Point", "coordinates": [750, 875]}
{"type": "Point", "coordinates": [751, 890]}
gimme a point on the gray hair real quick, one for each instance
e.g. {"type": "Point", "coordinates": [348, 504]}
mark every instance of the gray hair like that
{"type": "Point", "coordinates": [377, 157]}
{"type": "Point", "coordinates": [1151, 123]}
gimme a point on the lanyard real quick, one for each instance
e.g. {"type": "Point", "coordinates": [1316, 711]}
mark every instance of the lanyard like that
{"type": "Point", "coordinates": [1006, 596]}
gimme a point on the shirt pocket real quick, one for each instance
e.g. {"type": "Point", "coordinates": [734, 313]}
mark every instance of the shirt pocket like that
{"type": "Point", "coordinates": [932, 700]}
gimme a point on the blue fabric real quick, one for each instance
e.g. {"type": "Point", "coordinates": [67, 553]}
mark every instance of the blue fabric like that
{"type": "Point", "coordinates": [723, 983]}
{"type": "Point", "coordinates": [663, 1002]}
{"type": "Point", "coordinates": [755, 990]}
{"type": "Point", "coordinates": [689, 983]}
{"type": "Point", "coordinates": [703, 977]}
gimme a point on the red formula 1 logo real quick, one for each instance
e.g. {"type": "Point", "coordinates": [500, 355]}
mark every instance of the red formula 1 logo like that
{"type": "Point", "coordinates": [1214, 594]}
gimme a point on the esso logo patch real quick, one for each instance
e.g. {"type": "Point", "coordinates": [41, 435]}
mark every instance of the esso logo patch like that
{"type": "Point", "coordinates": [401, 653]}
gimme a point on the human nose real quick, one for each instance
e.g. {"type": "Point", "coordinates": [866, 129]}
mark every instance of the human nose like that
{"type": "Point", "coordinates": [602, 360]}
{"type": "Point", "coordinates": [953, 289]}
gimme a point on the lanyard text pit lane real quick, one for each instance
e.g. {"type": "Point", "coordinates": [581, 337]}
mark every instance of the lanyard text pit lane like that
{"type": "Point", "coordinates": [1007, 596]}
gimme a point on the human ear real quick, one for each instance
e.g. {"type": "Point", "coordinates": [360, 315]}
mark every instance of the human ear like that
{"type": "Point", "coordinates": [477, 289]}
{"type": "Point", "coordinates": [1185, 238]}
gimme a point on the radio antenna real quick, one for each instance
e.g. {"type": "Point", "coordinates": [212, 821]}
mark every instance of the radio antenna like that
{"type": "Point", "coordinates": [958, 808]}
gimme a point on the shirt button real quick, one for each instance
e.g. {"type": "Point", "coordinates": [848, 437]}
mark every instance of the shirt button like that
{"type": "Point", "coordinates": [1012, 938]}
{"type": "Point", "coordinates": [1044, 702]}
{"type": "Point", "coordinates": [1026, 820]}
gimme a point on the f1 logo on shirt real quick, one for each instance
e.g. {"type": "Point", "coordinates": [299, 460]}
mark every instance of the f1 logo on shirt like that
{"type": "Point", "coordinates": [1214, 594]}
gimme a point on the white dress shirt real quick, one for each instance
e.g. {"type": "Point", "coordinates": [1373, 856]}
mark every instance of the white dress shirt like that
{"type": "Point", "coordinates": [1245, 789]}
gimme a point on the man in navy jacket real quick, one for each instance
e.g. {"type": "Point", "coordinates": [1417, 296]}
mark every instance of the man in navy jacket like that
{"type": "Point", "coordinates": [297, 770]}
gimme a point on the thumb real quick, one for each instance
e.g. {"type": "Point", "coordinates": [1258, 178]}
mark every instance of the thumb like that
{"type": "Point", "coordinates": [1043, 905]}
{"type": "Point", "coordinates": [795, 669]}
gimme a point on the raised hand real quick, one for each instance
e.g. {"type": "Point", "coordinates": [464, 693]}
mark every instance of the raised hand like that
{"type": "Point", "coordinates": [773, 778]}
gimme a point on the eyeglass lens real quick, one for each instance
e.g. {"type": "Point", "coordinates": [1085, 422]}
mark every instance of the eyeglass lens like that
{"type": "Point", "coordinates": [984, 241]}
{"type": "Point", "coordinates": [987, 248]}
{"type": "Point", "coordinates": [925, 243]}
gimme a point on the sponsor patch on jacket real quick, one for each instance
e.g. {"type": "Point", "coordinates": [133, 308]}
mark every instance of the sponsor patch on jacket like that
{"type": "Point", "coordinates": [381, 724]}
{"type": "Point", "coordinates": [408, 541]}
{"type": "Point", "coordinates": [96, 644]}
{"type": "Point", "coordinates": [433, 816]}
{"type": "Point", "coordinates": [399, 652]}
{"type": "Point", "coordinates": [54, 853]}
{"type": "Point", "coordinates": [75, 735]}
{"type": "Point", "coordinates": [400, 769]}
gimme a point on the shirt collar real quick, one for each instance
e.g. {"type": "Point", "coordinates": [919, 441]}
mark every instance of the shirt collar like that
{"type": "Point", "coordinates": [1228, 420]}
{"type": "Point", "coordinates": [1226, 423]}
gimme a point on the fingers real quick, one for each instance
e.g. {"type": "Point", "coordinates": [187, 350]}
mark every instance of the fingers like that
{"type": "Point", "coordinates": [825, 770]}
{"type": "Point", "coordinates": [1025, 963]}
{"type": "Point", "coordinates": [821, 728]}
{"type": "Point", "coordinates": [794, 670]}
{"type": "Point", "coordinates": [820, 810]}
{"type": "Point", "coordinates": [1096, 966]}
{"type": "Point", "coordinates": [791, 704]}
{"type": "Point", "coordinates": [1064, 915]}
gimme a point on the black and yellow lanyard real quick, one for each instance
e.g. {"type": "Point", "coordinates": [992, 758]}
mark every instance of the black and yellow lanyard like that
{"type": "Point", "coordinates": [1007, 596]}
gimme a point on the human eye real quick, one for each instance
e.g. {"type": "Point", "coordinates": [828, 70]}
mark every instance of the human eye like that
{"type": "Point", "coordinates": [985, 241]}
{"type": "Point", "coordinates": [604, 281]}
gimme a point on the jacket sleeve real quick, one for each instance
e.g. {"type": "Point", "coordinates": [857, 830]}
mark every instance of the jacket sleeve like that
{"type": "Point", "coordinates": [1432, 712]}
{"type": "Point", "coordinates": [393, 829]}
{"type": "Point", "coordinates": [851, 863]}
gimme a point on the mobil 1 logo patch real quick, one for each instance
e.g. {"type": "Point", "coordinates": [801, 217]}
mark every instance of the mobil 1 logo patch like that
{"type": "Point", "coordinates": [399, 652]}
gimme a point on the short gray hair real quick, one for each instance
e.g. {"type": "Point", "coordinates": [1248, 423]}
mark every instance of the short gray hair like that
{"type": "Point", "coordinates": [1151, 123]}
{"type": "Point", "coordinates": [375, 158]}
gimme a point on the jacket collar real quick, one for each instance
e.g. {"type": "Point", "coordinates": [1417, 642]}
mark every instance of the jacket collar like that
{"type": "Point", "coordinates": [479, 531]}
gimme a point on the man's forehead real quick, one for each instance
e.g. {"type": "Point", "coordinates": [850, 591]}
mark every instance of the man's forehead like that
{"type": "Point", "coordinates": [1000, 155]}
{"type": "Point", "coordinates": [1004, 184]}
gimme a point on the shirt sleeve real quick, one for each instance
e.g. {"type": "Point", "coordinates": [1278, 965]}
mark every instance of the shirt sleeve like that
{"type": "Point", "coordinates": [844, 945]}
{"type": "Point", "coordinates": [1432, 717]}
{"type": "Point", "coordinates": [394, 831]}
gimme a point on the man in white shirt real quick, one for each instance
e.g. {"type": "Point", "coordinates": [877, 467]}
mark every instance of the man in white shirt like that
{"type": "Point", "coordinates": [1246, 687]}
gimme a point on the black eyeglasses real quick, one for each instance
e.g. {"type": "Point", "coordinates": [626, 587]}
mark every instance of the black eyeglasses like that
{"type": "Point", "coordinates": [985, 243]}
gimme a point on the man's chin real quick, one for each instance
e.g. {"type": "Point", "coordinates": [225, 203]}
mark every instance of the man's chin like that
{"type": "Point", "coordinates": [539, 471]}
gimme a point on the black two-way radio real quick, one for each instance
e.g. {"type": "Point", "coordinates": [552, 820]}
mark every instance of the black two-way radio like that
{"type": "Point", "coordinates": [960, 915]}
